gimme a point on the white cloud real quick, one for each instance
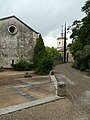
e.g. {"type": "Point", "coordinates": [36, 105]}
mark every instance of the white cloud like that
{"type": "Point", "coordinates": [45, 16]}
{"type": "Point", "coordinates": [50, 41]}
{"type": "Point", "coordinates": [51, 38]}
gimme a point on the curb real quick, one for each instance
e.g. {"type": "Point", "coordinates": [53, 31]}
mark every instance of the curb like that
{"type": "Point", "coordinates": [28, 105]}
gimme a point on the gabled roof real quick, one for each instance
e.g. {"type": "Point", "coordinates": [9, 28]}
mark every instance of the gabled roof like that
{"type": "Point", "coordinates": [20, 21]}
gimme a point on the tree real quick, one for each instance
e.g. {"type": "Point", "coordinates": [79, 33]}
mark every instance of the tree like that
{"type": "Point", "coordinates": [86, 7]}
{"type": "Point", "coordinates": [53, 53]}
{"type": "Point", "coordinates": [81, 38]}
{"type": "Point", "coordinates": [76, 46]}
{"type": "Point", "coordinates": [39, 51]}
{"type": "Point", "coordinates": [42, 60]}
{"type": "Point", "coordinates": [81, 28]}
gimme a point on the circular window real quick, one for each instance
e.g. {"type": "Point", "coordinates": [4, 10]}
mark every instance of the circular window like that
{"type": "Point", "coordinates": [12, 29]}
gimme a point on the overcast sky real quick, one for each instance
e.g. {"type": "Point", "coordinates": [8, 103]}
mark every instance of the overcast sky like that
{"type": "Point", "coordinates": [45, 16]}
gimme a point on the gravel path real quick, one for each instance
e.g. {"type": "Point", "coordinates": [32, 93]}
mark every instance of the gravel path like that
{"type": "Point", "coordinates": [61, 109]}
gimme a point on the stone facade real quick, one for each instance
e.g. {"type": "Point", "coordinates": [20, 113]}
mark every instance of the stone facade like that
{"type": "Point", "coordinates": [17, 41]}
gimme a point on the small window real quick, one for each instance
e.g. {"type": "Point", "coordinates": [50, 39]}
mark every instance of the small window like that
{"type": "Point", "coordinates": [12, 29]}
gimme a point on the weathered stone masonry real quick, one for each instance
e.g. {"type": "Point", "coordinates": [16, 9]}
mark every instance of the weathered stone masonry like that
{"type": "Point", "coordinates": [17, 41]}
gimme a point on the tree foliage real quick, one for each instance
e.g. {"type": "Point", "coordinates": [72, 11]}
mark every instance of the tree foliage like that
{"type": "Point", "coordinates": [53, 53]}
{"type": "Point", "coordinates": [42, 59]}
{"type": "Point", "coordinates": [86, 7]}
{"type": "Point", "coordinates": [39, 51]}
{"type": "Point", "coordinates": [76, 46]}
{"type": "Point", "coordinates": [81, 39]}
{"type": "Point", "coordinates": [45, 65]}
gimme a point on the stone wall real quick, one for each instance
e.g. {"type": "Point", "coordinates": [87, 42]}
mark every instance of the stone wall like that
{"type": "Point", "coordinates": [17, 42]}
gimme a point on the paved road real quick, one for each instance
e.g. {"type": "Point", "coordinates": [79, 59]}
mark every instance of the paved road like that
{"type": "Point", "coordinates": [78, 86]}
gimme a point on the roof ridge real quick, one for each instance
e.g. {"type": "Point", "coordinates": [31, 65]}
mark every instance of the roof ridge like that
{"type": "Point", "coordinates": [8, 17]}
{"type": "Point", "coordinates": [20, 21]}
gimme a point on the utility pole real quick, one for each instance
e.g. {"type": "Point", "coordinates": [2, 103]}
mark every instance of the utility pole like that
{"type": "Point", "coordinates": [65, 44]}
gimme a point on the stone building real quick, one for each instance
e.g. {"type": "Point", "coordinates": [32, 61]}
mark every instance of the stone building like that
{"type": "Point", "coordinates": [60, 44]}
{"type": "Point", "coordinates": [17, 41]}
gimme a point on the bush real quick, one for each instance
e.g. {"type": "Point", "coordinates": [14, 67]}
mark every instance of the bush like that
{"type": "Point", "coordinates": [82, 68]}
{"type": "Point", "coordinates": [23, 66]}
{"type": "Point", "coordinates": [75, 65]}
{"type": "Point", "coordinates": [45, 65]}
{"type": "Point", "coordinates": [88, 64]}
{"type": "Point", "coordinates": [31, 66]}
{"type": "Point", "coordinates": [1, 69]}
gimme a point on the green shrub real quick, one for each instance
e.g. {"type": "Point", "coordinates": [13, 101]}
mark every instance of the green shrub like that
{"type": "Point", "coordinates": [31, 66]}
{"type": "Point", "coordinates": [75, 65]}
{"type": "Point", "coordinates": [1, 69]}
{"type": "Point", "coordinates": [23, 66]}
{"type": "Point", "coordinates": [82, 68]}
{"type": "Point", "coordinates": [45, 65]}
{"type": "Point", "coordinates": [88, 64]}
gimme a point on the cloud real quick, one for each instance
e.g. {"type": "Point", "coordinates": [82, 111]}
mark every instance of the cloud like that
{"type": "Point", "coordinates": [51, 38]}
{"type": "Point", "coordinates": [45, 16]}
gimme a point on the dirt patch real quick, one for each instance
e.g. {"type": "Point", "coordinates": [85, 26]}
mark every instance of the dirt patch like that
{"type": "Point", "coordinates": [15, 89]}
{"type": "Point", "coordinates": [41, 91]}
{"type": "Point", "coordinates": [14, 74]}
{"type": "Point", "coordinates": [10, 82]}
{"type": "Point", "coordinates": [10, 97]}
